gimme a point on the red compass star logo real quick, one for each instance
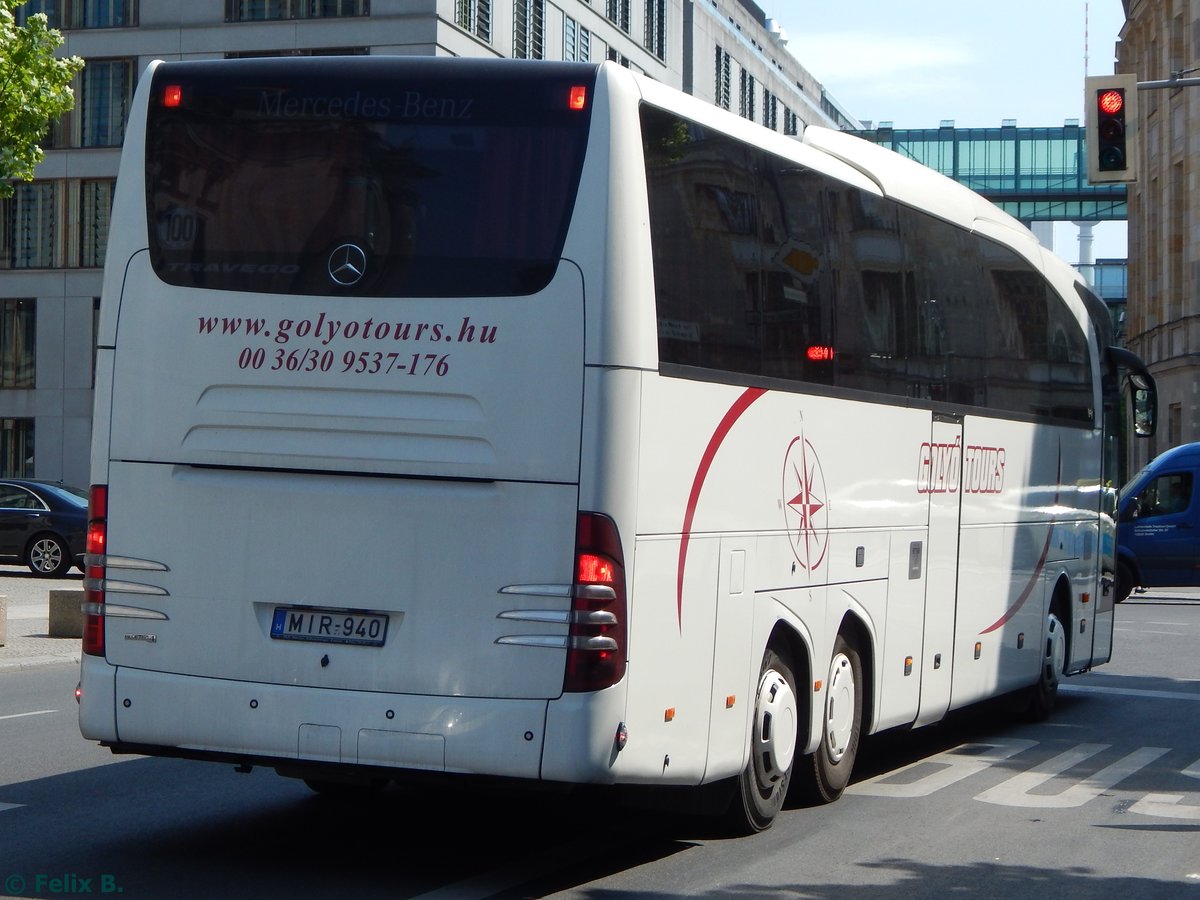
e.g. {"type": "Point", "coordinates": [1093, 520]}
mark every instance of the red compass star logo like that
{"type": "Point", "coordinates": [805, 502]}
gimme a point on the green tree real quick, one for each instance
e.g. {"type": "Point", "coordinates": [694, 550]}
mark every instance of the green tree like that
{"type": "Point", "coordinates": [35, 89]}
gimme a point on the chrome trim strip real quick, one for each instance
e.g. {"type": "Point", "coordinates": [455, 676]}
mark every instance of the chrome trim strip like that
{"type": "Point", "coordinates": [126, 587]}
{"type": "Point", "coordinates": [535, 640]}
{"type": "Point", "coordinates": [124, 612]}
{"type": "Point", "coordinates": [537, 590]}
{"type": "Point", "coordinates": [548, 616]}
{"type": "Point", "coordinates": [125, 562]}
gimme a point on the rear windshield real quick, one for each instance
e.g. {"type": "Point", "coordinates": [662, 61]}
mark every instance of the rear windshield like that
{"type": "Point", "coordinates": [364, 176]}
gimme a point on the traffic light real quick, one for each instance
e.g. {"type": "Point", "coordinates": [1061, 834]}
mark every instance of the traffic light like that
{"type": "Point", "coordinates": [1110, 103]}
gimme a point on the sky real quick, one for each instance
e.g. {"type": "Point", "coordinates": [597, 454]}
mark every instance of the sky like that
{"type": "Point", "coordinates": [919, 63]}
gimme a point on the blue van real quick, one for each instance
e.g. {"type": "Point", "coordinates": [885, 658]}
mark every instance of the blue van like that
{"type": "Point", "coordinates": [1158, 523]}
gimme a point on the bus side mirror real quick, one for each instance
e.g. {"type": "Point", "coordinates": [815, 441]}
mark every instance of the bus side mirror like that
{"type": "Point", "coordinates": [1143, 390]}
{"type": "Point", "coordinates": [1144, 397]}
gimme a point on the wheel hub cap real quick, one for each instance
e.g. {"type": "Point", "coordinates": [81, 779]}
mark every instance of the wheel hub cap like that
{"type": "Point", "coordinates": [776, 723]}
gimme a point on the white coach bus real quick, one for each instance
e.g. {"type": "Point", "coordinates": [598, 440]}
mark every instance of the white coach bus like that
{"type": "Point", "coordinates": [538, 421]}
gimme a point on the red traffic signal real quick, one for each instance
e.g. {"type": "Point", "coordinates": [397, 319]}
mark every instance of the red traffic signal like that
{"type": "Point", "coordinates": [1111, 136]}
{"type": "Point", "coordinates": [1110, 102]}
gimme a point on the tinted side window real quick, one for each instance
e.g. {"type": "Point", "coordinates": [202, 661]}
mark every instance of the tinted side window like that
{"type": "Point", "coordinates": [705, 220]}
{"type": "Point", "coordinates": [763, 267]}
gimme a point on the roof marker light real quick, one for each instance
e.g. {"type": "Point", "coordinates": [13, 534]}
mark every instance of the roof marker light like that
{"type": "Point", "coordinates": [172, 95]}
{"type": "Point", "coordinates": [577, 99]}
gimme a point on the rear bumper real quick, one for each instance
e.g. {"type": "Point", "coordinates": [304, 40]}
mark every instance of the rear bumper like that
{"type": "Point", "coordinates": [267, 724]}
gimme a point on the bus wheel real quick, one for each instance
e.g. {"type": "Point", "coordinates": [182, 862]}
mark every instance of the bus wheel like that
{"type": "Point", "coordinates": [842, 724]}
{"type": "Point", "coordinates": [763, 784]}
{"type": "Point", "coordinates": [1044, 694]}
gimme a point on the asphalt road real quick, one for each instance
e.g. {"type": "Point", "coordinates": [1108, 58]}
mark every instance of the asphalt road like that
{"type": "Point", "coordinates": [1100, 801]}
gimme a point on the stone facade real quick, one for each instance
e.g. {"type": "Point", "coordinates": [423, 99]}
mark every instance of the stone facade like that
{"type": "Point", "coordinates": [1161, 38]}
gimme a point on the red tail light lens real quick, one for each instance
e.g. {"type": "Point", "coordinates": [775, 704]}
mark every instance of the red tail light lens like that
{"type": "Point", "coordinates": [93, 582]}
{"type": "Point", "coordinates": [596, 646]}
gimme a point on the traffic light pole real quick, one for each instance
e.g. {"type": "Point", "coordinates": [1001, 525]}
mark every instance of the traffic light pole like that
{"type": "Point", "coordinates": [1173, 82]}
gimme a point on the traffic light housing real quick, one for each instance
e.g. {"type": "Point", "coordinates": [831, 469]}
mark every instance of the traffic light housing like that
{"type": "Point", "coordinates": [1110, 104]}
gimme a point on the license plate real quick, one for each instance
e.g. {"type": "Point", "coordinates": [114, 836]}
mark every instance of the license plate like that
{"type": "Point", "coordinates": [328, 626]}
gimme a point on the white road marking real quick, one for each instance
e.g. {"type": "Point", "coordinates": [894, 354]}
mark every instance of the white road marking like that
{"type": "Point", "coordinates": [1128, 692]}
{"type": "Point", "coordinates": [36, 712]}
{"type": "Point", "coordinates": [1016, 790]}
{"type": "Point", "coordinates": [955, 765]}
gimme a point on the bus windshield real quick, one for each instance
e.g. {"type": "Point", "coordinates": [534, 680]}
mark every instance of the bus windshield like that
{"type": "Point", "coordinates": [440, 182]}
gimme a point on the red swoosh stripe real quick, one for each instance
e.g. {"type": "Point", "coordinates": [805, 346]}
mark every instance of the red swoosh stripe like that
{"type": "Point", "coordinates": [714, 444]}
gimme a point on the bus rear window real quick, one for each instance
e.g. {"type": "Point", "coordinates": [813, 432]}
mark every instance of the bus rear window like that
{"type": "Point", "coordinates": [364, 176]}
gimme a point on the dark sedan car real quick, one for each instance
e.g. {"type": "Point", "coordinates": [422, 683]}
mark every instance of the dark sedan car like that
{"type": "Point", "coordinates": [42, 525]}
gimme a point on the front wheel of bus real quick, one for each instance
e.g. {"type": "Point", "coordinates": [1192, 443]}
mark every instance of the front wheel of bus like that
{"type": "Point", "coordinates": [1044, 695]}
{"type": "Point", "coordinates": [763, 784]}
{"type": "Point", "coordinates": [842, 724]}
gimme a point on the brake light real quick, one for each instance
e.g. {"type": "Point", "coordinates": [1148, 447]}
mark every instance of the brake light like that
{"type": "Point", "coordinates": [172, 95]}
{"type": "Point", "coordinates": [577, 99]}
{"type": "Point", "coordinates": [94, 570]}
{"type": "Point", "coordinates": [596, 643]}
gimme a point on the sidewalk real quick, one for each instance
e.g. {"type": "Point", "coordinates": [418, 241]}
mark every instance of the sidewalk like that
{"type": "Point", "coordinates": [29, 644]}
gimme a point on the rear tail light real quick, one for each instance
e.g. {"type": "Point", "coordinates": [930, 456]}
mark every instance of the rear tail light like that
{"type": "Point", "coordinates": [93, 582]}
{"type": "Point", "coordinates": [596, 643]}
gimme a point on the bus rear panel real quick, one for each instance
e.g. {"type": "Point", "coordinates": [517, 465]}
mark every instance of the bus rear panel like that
{"type": "Point", "coordinates": [340, 463]}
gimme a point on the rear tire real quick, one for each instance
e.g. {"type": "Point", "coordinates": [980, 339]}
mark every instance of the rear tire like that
{"type": "Point", "coordinates": [841, 730]}
{"type": "Point", "coordinates": [763, 784]}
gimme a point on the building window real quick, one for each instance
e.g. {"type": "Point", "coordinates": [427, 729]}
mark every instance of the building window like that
{"type": "Point", "coordinates": [16, 448]}
{"type": "Point", "coordinates": [105, 14]}
{"type": "Point", "coordinates": [263, 10]}
{"type": "Point", "coordinates": [529, 27]}
{"type": "Point", "coordinates": [95, 210]}
{"type": "Point", "coordinates": [28, 226]}
{"type": "Point", "coordinates": [103, 92]}
{"type": "Point", "coordinates": [68, 14]}
{"type": "Point", "coordinates": [746, 100]}
{"type": "Point", "coordinates": [32, 235]}
{"type": "Point", "coordinates": [770, 116]}
{"type": "Point", "coordinates": [656, 27]}
{"type": "Point", "coordinates": [18, 340]}
{"type": "Point", "coordinates": [475, 16]}
{"type": "Point", "coordinates": [791, 122]}
{"type": "Point", "coordinates": [577, 41]}
{"type": "Point", "coordinates": [619, 12]}
{"type": "Point", "coordinates": [723, 93]}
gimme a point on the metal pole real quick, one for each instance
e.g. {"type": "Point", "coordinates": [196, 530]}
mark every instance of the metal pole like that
{"type": "Point", "coordinates": [1169, 83]}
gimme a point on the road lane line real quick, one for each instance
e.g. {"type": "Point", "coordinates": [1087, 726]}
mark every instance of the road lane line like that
{"type": "Point", "coordinates": [1128, 692]}
{"type": "Point", "coordinates": [36, 712]}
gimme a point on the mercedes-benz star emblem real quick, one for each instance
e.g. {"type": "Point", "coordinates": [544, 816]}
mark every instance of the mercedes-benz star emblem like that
{"type": "Point", "coordinates": [347, 265]}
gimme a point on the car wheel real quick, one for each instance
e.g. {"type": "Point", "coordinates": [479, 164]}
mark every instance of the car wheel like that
{"type": "Point", "coordinates": [48, 556]}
